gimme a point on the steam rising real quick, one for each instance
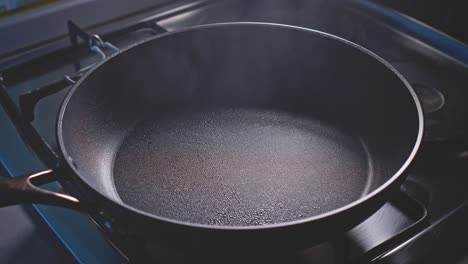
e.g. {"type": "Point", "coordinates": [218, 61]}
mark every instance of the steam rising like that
{"type": "Point", "coordinates": [331, 16]}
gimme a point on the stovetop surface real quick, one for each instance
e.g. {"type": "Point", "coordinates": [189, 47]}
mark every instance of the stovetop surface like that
{"type": "Point", "coordinates": [436, 185]}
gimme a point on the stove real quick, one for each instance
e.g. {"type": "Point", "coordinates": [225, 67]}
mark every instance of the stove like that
{"type": "Point", "coordinates": [426, 222]}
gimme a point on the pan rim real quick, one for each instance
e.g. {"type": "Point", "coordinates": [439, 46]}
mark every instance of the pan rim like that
{"type": "Point", "coordinates": [322, 216]}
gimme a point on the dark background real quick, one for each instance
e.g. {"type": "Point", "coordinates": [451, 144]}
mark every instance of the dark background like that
{"type": "Point", "coordinates": [448, 16]}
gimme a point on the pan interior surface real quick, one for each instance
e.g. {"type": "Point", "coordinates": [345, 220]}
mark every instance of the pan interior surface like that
{"type": "Point", "coordinates": [239, 167]}
{"type": "Point", "coordinates": [239, 125]}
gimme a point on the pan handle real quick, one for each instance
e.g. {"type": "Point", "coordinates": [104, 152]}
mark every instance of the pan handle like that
{"type": "Point", "coordinates": [23, 189]}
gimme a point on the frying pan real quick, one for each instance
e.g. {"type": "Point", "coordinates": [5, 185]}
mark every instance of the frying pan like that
{"type": "Point", "coordinates": [234, 135]}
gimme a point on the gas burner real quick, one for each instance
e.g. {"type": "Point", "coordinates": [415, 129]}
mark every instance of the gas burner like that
{"type": "Point", "coordinates": [432, 100]}
{"type": "Point", "coordinates": [442, 98]}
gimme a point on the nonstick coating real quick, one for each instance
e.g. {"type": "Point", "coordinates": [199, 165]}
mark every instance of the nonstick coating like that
{"type": "Point", "coordinates": [240, 125]}
{"type": "Point", "coordinates": [240, 167]}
